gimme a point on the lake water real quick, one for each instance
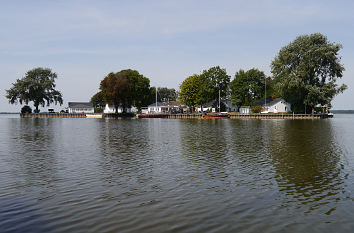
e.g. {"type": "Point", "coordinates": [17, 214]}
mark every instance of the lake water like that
{"type": "Point", "coordinates": [176, 175]}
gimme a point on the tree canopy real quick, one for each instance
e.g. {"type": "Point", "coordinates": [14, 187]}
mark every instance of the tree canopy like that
{"type": "Point", "coordinates": [249, 86]}
{"type": "Point", "coordinates": [98, 102]}
{"type": "Point", "coordinates": [37, 86]}
{"type": "Point", "coordinates": [306, 71]}
{"type": "Point", "coordinates": [191, 91]}
{"type": "Point", "coordinates": [126, 88]}
{"type": "Point", "coordinates": [216, 80]}
{"type": "Point", "coordinates": [165, 94]}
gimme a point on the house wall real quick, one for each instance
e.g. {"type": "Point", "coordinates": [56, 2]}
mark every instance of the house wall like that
{"type": "Point", "coordinates": [154, 109]}
{"type": "Point", "coordinates": [111, 109]}
{"type": "Point", "coordinates": [205, 109]}
{"type": "Point", "coordinates": [245, 110]}
{"type": "Point", "coordinates": [281, 106]}
{"type": "Point", "coordinates": [81, 110]}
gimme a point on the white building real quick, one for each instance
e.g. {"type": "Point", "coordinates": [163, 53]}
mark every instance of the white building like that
{"type": "Point", "coordinates": [111, 109]}
{"type": "Point", "coordinates": [245, 109]}
{"type": "Point", "coordinates": [80, 107]}
{"type": "Point", "coordinates": [274, 105]}
{"type": "Point", "coordinates": [167, 107]}
{"type": "Point", "coordinates": [213, 106]}
{"type": "Point", "coordinates": [278, 105]}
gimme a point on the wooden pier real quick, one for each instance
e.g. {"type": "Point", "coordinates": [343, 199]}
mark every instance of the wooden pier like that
{"type": "Point", "coordinates": [237, 116]}
{"type": "Point", "coordinates": [53, 115]}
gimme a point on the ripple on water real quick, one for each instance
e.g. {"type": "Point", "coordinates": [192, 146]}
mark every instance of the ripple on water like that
{"type": "Point", "coordinates": [161, 175]}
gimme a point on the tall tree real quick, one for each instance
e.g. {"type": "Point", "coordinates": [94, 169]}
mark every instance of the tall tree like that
{"type": "Point", "coordinates": [126, 88]}
{"type": "Point", "coordinates": [192, 92]}
{"type": "Point", "coordinates": [116, 90]}
{"type": "Point", "coordinates": [165, 94]}
{"type": "Point", "coordinates": [98, 101]}
{"type": "Point", "coordinates": [217, 80]}
{"type": "Point", "coordinates": [249, 86]}
{"type": "Point", "coordinates": [140, 88]}
{"type": "Point", "coordinates": [37, 86]}
{"type": "Point", "coordinates": [306, 71]}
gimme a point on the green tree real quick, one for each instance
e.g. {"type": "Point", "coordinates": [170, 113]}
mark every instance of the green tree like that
{"type": "Point", "coordinates": [217, 80]}
{"type": "Point", "coordinates": [192, 92]}
{"type": "Point", "coordinates": [248, 87]}
{"type": "Point", "coordinates": [306, 71]}
{"type": "Point", "coordinates": [126, 88]}
{"type": "Point", "coordinates": [140, 88]}
{"type": "Point", "coordinates": [37, 86]}
{"type": "Point", "coordinates": [116, 90]}
{"type": "Point", "coordinates": [98, 101]}
{"type": "Point", "coordinates": [165, 94]}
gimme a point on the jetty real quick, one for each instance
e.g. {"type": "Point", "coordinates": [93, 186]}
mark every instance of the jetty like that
{"type": "Point", "coordinates": [237, 116]}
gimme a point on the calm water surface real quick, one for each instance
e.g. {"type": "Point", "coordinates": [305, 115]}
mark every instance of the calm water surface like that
{"type": "Point", "coordinates": [166, 175]}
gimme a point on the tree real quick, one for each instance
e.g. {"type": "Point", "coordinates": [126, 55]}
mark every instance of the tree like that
{"type": "Point", "coordinates": [140, 88]}
{"type": "Point", "coordinates": [306, 72]}
{"type": "Point", "coordinates": [165, 94]}
{"type": "Point", "coordinates": [217, 80]}
{"type": "Point", "coordinates": [191, 91]}
{"type": "Point", "coordinates": [98, 101]}
{"type": "Point", "coordinates": [116, 90]}
{"type": "Point", "coordinates": [126, 88]}
{"type": "Point", "coordinates": [248, 87]}
{"type": "Point", "coordinates": [37, 86]}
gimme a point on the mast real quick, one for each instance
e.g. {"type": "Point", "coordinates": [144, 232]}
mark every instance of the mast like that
{"type": "Point", "coordinates": [156, 98]}
{"type": "Point", "coordinates": [265, 93]}
{"type": "Point", "coordinates": [219, 102]}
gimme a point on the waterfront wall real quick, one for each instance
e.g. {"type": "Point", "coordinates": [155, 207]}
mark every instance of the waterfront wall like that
{"type": "Point", "coordinates": [177, 116]}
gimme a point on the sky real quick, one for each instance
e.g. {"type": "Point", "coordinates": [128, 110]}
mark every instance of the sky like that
{"type": "Point", "coordinates": [166, 41]}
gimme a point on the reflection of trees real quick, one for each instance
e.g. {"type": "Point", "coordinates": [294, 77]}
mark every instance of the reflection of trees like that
{"type": "Point", "coordinates": [306, 160]}
{"type": "Point", "coordinates": [204, 144]}
{"type": "Point", "coordinates": [32, 144]}
{"type": "Point", "coordinates": [126, 153]}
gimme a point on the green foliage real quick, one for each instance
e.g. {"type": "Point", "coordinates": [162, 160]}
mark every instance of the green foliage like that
{"type": "Point", "coordinates": [165, 94]}
{"type": "Point", "coordinates": [216, 79]}
{"type": "Point", "coordinates": [257, 109]}
{"type": "Point", "coordinates": [191, 92]}
{"type": "Point", "coordinates": [98, 100]}
{"type": "Point", "coordinates": [197, 90]}
{"type": "Point", "coordinates": [306, 71]}
{"type": "Point", "coordinates": [126, 88]}
{"type": "Point", "coordinates": [26, 109]}
{"type": "Point", "coordinates": [98, 110]}
{"type": "Point", "coordinates": [248, 87]}
{"type": "Point", "coordinates": [37, 86]}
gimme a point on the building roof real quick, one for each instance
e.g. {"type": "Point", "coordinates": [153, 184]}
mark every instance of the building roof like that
{"type": "Point", "coordinates": [167, 104]}
{"type": "Point", "coordinates": [227, 103]}
{"type": "Point", "coordinates": [80, 105]}
{"type": "Point", "coordinates": [269, 102]}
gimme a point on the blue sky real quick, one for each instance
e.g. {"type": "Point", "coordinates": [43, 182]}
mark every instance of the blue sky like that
{"type": "Point", "coordinates": [166, 41]}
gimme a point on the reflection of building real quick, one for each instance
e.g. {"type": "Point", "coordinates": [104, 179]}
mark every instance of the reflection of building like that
{"type": "Point", "coordinates": [111, 109]}
{"type": "Point", "coordinates": [167, 107]}
{"type": "Point", "coordinates": [80, 107]}
{"type": "Point", "coordinates": [274, 105]}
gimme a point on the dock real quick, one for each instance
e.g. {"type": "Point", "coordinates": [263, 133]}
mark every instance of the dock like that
{"type": "Point", "coordinates": [237, 116]}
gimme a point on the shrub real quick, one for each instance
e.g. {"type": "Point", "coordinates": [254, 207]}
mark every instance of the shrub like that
{"type": "Point", "coordinates": [257, 109]}
{"type": "Point", "coordinates": [26, 109]}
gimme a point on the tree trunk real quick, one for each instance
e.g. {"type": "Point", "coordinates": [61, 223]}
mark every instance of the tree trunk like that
{"type": "Point", "coordinates": [37, 107]}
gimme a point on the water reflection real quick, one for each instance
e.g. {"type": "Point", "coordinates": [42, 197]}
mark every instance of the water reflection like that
{"type": "Point", "coordinates": [32, 145]}
{"type": "Point", "coordinates": [307, 161]}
